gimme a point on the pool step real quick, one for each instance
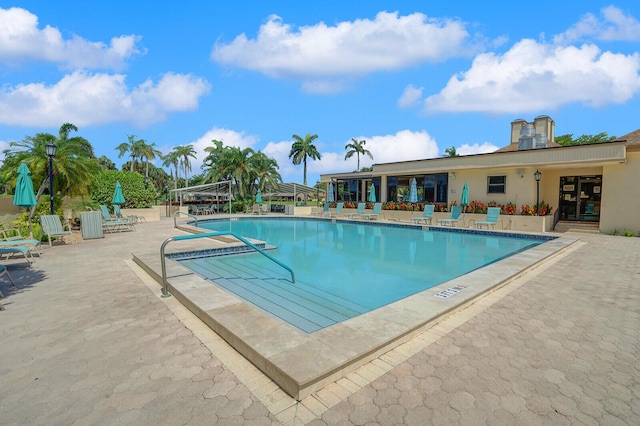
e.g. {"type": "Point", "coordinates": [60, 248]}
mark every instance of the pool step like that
{"type": "Point", "coordinates": [301, 305]}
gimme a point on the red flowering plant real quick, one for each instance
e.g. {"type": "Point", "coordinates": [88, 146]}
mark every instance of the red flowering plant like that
{"type": "Point", "coordinates": [389, 205]}
{"type": "Point", "coordinates": [349, 205]}
{"type": "Point", "coordinates": [441, 207]}
{"type": "Point", "coordinates": [510, 208]}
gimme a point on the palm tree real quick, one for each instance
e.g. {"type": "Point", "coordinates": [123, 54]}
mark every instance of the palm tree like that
{"type": "Point", "coordinates": [172, 159]}
{"type": "Point", "coordinates": [133, 147]}
{"type": "Point", "coordinates": [148, 152]}
{"type": "Point", "coordinates": [357, 147]}
{"type": "Point", "coordinates": [74, 165]}
{"type": "Point", "coordinates": [184, 152]}
{"type": "Point", "coordinates": [451, 152]}
{"type": "Point", "coordinates": [265, 170]}
{"type": "Point", "coordinates": [303, 149]}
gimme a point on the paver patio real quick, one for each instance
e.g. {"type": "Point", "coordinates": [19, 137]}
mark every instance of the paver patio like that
{"type": "Point", "coordinates": [86, 339]}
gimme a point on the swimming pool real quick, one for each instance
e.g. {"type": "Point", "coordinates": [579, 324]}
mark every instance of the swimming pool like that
{"type": "Point", "coordinates": [346, 268]}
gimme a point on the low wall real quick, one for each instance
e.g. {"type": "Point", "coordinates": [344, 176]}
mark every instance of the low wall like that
{"type": "Point", "coordinates": [151, 214]}
{"type": "Point", "coordinates": [506, 222]}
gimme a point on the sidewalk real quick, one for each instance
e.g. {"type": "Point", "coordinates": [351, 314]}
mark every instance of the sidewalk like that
{"type": "Point", "coordinates": [85, 340]}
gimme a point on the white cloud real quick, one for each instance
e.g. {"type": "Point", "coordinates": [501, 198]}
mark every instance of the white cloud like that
{"type": "Point", "coordinates": [93, 99]}
{"type": "Point", "coordinates": [484, 148]}
{"type": "Point", "coordinates": [348, 49]}
{"type": "Point", "coordinates": [614, 25]}
{"type": "Point", "coordinates": [410, 97]}
{"type": "Point", "coordinates": [22, 40]}
{"type": "Point", "coordinates": [534, 76]}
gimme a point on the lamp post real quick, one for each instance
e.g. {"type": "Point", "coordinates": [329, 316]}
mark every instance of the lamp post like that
{"type": "Point", "coordinates": [537, 175]}
{"type": "Point", "coordinates": [51, 152]}
{"type": "Point", "coordinates": [146, 182]}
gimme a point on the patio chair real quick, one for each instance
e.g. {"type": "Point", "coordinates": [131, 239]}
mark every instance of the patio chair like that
{"type": "Point", "coordinates": [112, 224]}
{"type": "Point", "coordinates": [52, 227]}
{"type": "Point", "coordinates": [456, 211]}
{"type": "Point", "coordinates": [359, 211]}
{"type": "Point", "coordinates": [493, 215]}
{"type": "Point", "coordinates": [377, 209]}
{"type": "Point", "coordinates": [3, 271]}
{"type": "Point", "coordinates": [324, 211]}
{"type": "Point", "coordinates": [338, 211]}
{"type": "Point", "coordinates": [427, 215]}
{"type": "Point", "coordinates": [264, 209]}
{"type": "Point", "coordinates": [255, 209]}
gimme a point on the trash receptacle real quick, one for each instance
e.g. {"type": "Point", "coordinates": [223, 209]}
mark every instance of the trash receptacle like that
{"type": "Point", "coordinates": [91, 225]}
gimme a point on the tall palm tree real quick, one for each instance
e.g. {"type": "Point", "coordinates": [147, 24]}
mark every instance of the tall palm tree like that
{"type": "Point", "coordinates": [74, 165]}
{"type": "Point", "coordinates": [172, 159]}
{"type": "Point", "coordinates": [148, 152]}
{"type": "Point", "coordinates": [301, 149]}
{"type": "Point", "coordinates": [133, 147]}
{"type": "Point", "coordinates": [185, 152]}
{"type": "Point", "coordinates": [357, 147]}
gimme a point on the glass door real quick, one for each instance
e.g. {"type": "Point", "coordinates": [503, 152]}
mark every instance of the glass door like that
{"type": "Point", "coordinates": [580, 197]}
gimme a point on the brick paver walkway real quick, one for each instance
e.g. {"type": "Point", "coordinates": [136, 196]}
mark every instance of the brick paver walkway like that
{"type": "Point", "coordinates": [84, 341]}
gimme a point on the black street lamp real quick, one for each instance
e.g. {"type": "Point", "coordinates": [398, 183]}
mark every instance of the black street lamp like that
{"type": "Point", "coordinates": [537, 175]}
{"type": "Point", "coordinates": [51, 152]}
{"type": "Point", "coordinates": [146, 182]}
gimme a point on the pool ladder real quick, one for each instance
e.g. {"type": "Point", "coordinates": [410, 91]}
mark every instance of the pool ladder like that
{"type": "Point", "coordinates": [175, 225]}
{"type": "Point", "coordinates": [165, 291]}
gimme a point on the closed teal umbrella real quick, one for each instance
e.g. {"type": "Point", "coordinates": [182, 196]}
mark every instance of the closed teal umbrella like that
{"type": "Point", "coordinates": [259, 197]}
{"type": "Point", "coordinates": [330, 196]}
{"type": "Point", "coordinates": [118, 196]}
{"type": "Point", "coordinates": [372, 193]}
{"type": "Point", "coordinates": [413, 193]}
{"type": "Point", "coordinates": [464, 200]}
{"type": "Point", "coordinates": [24, 196]}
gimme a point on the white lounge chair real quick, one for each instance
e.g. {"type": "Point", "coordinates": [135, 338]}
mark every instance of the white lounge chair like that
{"type": "Point", "coordinates": [52, 227]}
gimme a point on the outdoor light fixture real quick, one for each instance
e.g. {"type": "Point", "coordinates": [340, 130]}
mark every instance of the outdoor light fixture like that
{"type": "Point", "coordinates": [452, 176]}
{"type": "Point", "coordinates": [51, 152]}
{"type": "Point", "coordinates": [537, 175]}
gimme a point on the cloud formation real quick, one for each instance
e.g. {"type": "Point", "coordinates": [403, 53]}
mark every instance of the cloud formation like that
{"type": "Point", "coordinates": [320, 53]}
{"type": "Point", "coordinates": [614, 25]}
{"type": "Point", "coordinates": [22, 40]}
{"type": "Point", "coordinates": [87, 99]}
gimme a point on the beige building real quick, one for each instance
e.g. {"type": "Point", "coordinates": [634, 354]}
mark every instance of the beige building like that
{"type": "Point", "coordinates": [587, 184]}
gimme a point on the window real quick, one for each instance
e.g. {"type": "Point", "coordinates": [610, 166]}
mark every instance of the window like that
{"type": "Point", "coordinates": [496, 184]}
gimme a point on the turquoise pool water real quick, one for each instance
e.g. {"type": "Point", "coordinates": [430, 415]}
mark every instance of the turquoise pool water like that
{"type": "Point", "coordinates": [358, 266]}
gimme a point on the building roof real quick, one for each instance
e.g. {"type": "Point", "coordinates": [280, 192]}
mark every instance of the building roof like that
{"type": "Point", "coordinates": [632, 139]}
{"type": "Point", "coordinates": [514, 147]}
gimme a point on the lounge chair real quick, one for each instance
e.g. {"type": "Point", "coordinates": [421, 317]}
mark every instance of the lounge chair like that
{"type": "Point", "coordinates": [23, 250]}
{"type": "Point", "coordinates": [264, 209]}
{"type": "Point", "coordinates": [427, 215]}
{"type": "Point", "coordinates": [3, 271]}
{"type": "Point", "coordinates": [377, 209]}
{"type": "Point", "coordinates": [255, 209]}
{"type": "Point", "coordinates": [359, 211]}
{"type": "Point", "coordinates": [456, 211]}
{"type": "Point", "coordinates": [52, 227]}
{"type": "Point", "coordinates": [493, 215]}
{"type": "Point", "coordinates": [111, 224]}
{"type": "Point", "coordinates": [324, 211]}
{"type": "Point", "coordinates": [338, 211]}
{"type": "Point", "coordinates": [15, 238]}
{"type": "Point", "coordinates": [130, 218]}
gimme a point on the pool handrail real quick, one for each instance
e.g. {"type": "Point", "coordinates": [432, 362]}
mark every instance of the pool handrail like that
{"type": "Point", "coordinates": [175, 225]}
{"type": "Point", "coordinates": [165, 291]}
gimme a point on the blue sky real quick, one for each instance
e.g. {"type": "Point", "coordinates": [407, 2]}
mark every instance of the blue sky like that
{"type": "Point", "coordinates": [411, 78]}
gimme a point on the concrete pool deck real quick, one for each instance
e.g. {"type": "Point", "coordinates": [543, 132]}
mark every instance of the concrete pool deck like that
{"type": "Point", "coordinates": [86, 339]}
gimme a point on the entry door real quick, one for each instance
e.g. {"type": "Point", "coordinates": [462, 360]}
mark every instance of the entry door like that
{"type": "Point", "coordinates": [580, 197]}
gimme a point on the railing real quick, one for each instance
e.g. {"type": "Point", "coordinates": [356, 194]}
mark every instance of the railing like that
{"type": "Point", "coordinates": [175, 225]}
{"type": "Point", "coordinates": [165, 291]}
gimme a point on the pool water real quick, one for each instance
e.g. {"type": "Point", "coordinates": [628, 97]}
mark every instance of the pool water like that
{"type": "Point", "coordinates": [361, 265]}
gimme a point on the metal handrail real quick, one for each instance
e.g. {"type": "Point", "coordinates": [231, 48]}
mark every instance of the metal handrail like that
{"type": "Point", "coordinates": [165, 292]}
{"type": "Point", "coordinates": [175, 225]}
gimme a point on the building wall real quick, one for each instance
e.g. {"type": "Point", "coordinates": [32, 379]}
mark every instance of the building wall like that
{"type": "Point", "coordinates": [620, 201]}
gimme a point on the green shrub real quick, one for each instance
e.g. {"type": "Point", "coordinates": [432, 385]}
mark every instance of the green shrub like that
{"type": "Point", "coordinates": [135, 194]}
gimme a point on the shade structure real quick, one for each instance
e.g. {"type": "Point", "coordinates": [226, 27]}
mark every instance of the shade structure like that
{"type": "Point", "coordinates": [464, 199]}
{"type": "Point", "coordinates": [24, 196]}
{"type": "Point", "coordinates": [259, 197]}
{"type": "Point", "coordinates": [372, 194]}
{"type": "Point", "coordinates": [118, 196]}
{"type": "Point", "coordinates": [330, 197]}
